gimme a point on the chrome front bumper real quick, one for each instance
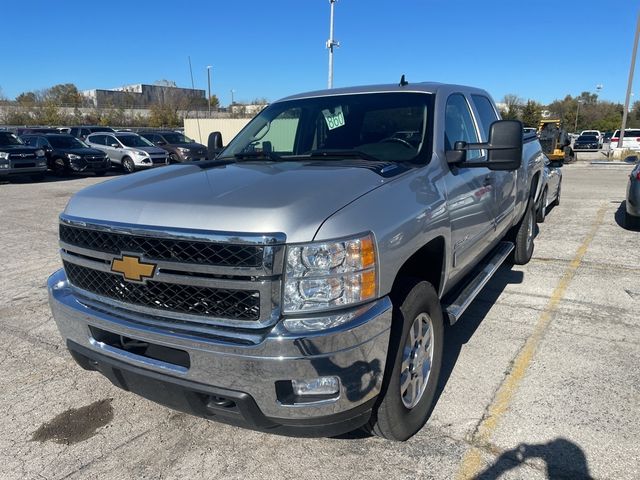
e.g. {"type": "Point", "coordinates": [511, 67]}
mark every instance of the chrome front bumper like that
{"type": "Point", "coordinates": [355, 352]}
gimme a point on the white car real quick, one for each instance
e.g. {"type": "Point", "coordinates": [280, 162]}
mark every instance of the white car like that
{"type": "Point", "coordinates": [631, 141]}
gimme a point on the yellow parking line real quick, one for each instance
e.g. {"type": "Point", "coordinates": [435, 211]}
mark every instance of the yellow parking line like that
{"type": "Point", "coordinates": [472, 461]}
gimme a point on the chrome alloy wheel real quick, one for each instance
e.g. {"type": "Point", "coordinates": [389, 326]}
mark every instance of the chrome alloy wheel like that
{"type": "Point", "coordinates": [417, 357]}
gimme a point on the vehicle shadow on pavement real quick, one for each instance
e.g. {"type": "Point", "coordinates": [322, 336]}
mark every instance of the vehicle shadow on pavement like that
{"type": "Point", "coordinates": [620, 214]}
{"type": "Point", "coordinates": [460, 333]}
{"type": "Point", "coordinates": [563, 459]}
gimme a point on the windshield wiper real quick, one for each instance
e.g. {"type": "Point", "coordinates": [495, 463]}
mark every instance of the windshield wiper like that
{"type": "Point", "coordinates": [343, 154]}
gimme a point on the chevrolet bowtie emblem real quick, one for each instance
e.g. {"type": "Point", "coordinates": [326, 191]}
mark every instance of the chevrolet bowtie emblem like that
{"type": "Point", "coordinates": [132, 268]}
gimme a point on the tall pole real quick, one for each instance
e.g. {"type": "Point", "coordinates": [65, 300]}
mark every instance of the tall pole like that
{"type": "Point", "coordinates": [331, 43]}
{"type": "Point", "coordinates": [232, 92]}
{"type": "Point", "coordinates": [575, 127]}
{"type": "Point", "coordinates": [629, 83]}
{"type": "Point", "coordinates": [209, 67]}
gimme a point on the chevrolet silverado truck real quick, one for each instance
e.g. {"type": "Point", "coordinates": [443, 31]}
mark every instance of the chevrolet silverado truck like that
{"type": "Point", "coordinates": [300, 282]}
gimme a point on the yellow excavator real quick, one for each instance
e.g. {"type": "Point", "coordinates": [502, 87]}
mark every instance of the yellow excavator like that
{"type": "Point", "coordinates": [555, 141]}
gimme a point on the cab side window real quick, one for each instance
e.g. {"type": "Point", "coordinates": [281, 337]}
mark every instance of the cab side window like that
{"type": "Point", "coordinates": [459, 124]}
{"type": "Point", "coordinates": [486, 113]}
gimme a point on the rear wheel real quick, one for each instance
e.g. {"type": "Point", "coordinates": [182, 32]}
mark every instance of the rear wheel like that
{"type": "Point", "coordinates": [541, 214]}
{"type": "Point", "coordinates": [556, 202]}
{"type": "Point", "coordinates": [128, 166]}
{"type": "Point", "coordinates": [413, 362]}
{"type": "Point", "coordinates": [525, 232]}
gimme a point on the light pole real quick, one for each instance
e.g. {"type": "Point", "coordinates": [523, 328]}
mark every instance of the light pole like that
{"type": "Point", "coordinates": [232, 92]}
{"type": "Point", "coordinates": [331, 43]}
{"type": "Point", "coordinates": [209, 67]}
{"type": "Point", "coordinates": [575, 127]}
{"type": "Point", "coordinates": [629, 83]}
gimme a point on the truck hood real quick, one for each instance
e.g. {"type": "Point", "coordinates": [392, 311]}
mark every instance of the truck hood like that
{"type": "Point", "coordinates": [293, 198]}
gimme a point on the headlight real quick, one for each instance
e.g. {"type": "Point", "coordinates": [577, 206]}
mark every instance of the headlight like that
{"type": "Point", "coordinates": [330, 275]}
{"type": "Point", "coordinates": [141, 154]}
{"type": "Point", "coordinates": [183, 150]}
{"type": "Point", "coordinates": [4, 155]}
{"type": "Point", "coordinates": [73, 156]}
{"type": "Point", "coordinates": [39, 153]}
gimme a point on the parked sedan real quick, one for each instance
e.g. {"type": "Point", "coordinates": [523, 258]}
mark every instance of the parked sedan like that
{"type": "Point", "coordinates": [129, 150]}
{"type": "Point", "coordinates": [632, 213]}
{"type": "Point", "coordinates": [586, 142]}
{"type": "Point", "coordinates": [551, 188]}
{"type": "Point", "coordinates": [66, 154]}
{"type": "Point", "coordinates": [180, 147]}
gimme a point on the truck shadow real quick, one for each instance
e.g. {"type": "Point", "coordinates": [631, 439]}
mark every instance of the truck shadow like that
{"type": "Point", "coordinates": [562, 458]}
{"type": "Point", "coordinates": [459, 334]}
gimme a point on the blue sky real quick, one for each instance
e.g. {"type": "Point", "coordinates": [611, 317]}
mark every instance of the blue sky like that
{"type": "Point", "coordinates": [541, 50]}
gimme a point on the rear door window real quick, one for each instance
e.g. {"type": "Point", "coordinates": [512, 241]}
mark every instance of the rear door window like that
{"type": "Point", "coordinates": [459, 124]}
{"type": "Point", "coordinates": [486, 114]}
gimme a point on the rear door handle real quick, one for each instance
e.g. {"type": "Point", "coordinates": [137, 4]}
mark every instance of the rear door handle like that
{"type": "Point", "coordinates": [487, 181]}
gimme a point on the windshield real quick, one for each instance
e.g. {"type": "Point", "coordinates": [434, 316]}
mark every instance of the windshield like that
{"type": "Point", "coordinates": [7, 138]}
{"type": "Point", "coordinates": [134, 141]}
{"type": "Point", "coordinates": [376, 126]}
{"type": "Point", "coordinates": [101, 129]}
{"type": "Point", "coordinates": [65, 142]}
{"type": "Point", "coordinates": [174, 138]}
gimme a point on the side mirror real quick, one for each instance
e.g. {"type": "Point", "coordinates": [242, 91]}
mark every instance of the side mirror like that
{"type": "Point", "coordinates": [504, 148]}
{"type": "Point", "coordinates": [115, 145]}
{"type": "Point", "coordinates": [214, 144]}
{"type": "Point", "coordinates": [161, 142]}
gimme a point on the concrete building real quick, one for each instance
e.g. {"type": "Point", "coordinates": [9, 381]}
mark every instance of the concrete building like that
{"type": "Point", "coordinates": [141, 95]}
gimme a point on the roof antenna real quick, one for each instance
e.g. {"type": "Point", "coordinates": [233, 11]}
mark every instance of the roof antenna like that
{"type": "Point", "coordinates": [403, 82]}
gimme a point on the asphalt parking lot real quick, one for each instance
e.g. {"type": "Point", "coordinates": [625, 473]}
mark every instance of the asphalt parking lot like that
{"type": "Point", "coordinates": [540, 380]}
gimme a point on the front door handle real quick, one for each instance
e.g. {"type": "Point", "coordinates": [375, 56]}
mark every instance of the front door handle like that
{"type": "Point", "coordinates": [487, 181]}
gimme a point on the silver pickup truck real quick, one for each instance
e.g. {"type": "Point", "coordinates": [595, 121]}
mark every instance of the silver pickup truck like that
{"type": "Point", "coordinates": [299, 283]}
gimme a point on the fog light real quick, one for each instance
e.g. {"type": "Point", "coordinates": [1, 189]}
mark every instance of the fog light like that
{"type": "Point", "coordinates": [316, 386]}
{"type": "Point", "coordinates": [146, 160]}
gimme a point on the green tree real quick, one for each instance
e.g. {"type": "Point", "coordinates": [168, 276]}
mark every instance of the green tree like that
{"type": "Point", "coordinates": [64, 94]}
{"type": "Point", "coordinates": [27, 99]}
{"type": "Point", "coordinates": [512, 105]}
{"type": "Point", "coordinates": [531, 113]}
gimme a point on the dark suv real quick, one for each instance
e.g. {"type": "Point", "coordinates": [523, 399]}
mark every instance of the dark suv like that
{"type": "Point", "coordinates": [66, 154]}
{"type": "Point", "coordinates": [17, 158]}
{"type": "Point", "coordinates": [180, 148]}
{"type": "Point", "coordinates": [82, 131]}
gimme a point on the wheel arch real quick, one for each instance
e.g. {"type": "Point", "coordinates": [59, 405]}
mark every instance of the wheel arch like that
{"type": "Point", "coordinates": [427, 263]}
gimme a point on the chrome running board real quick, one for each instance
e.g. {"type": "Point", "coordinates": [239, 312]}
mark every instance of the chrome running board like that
{"type": "Point", "coordinates": [457, 307]}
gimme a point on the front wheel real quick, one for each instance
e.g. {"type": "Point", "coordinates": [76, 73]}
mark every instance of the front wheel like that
{"type": "Point", "coordinates": [59, 167]}
{"type": "Point", "coordinates": [413, 362]}
{"type": "Point", "coordinates": [128, 166]}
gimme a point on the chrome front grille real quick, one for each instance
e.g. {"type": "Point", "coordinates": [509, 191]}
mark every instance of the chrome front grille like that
{"type": "Point", "coordinates": [186, 251]}
{"type": "Point", "coordinates": [217, 302]}
{"type": "Point", "coordinates": [204, 279]}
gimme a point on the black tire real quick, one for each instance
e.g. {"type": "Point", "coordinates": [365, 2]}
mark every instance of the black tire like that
{"type": "Point", "coordinates": [556, 202]}
{"type": "Point", "coordinates": [37, 177]}
{"type": "Point", "coordinates": [524, 236]}
{"type": "Point", "coordinates": [59, 167]}
{"type": "Point", "coordinates": [631, 222]}
{"type": "Point", "coordinates": [173, 158]}
{"type": "Point", "coordinates": [100, 173]}
{"type": "Point", "coordinates": [541, 213]}
{"type": "Point", "coordinates": [391, 419]}
{"type": "Point", "coordinates": [127, 165]}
